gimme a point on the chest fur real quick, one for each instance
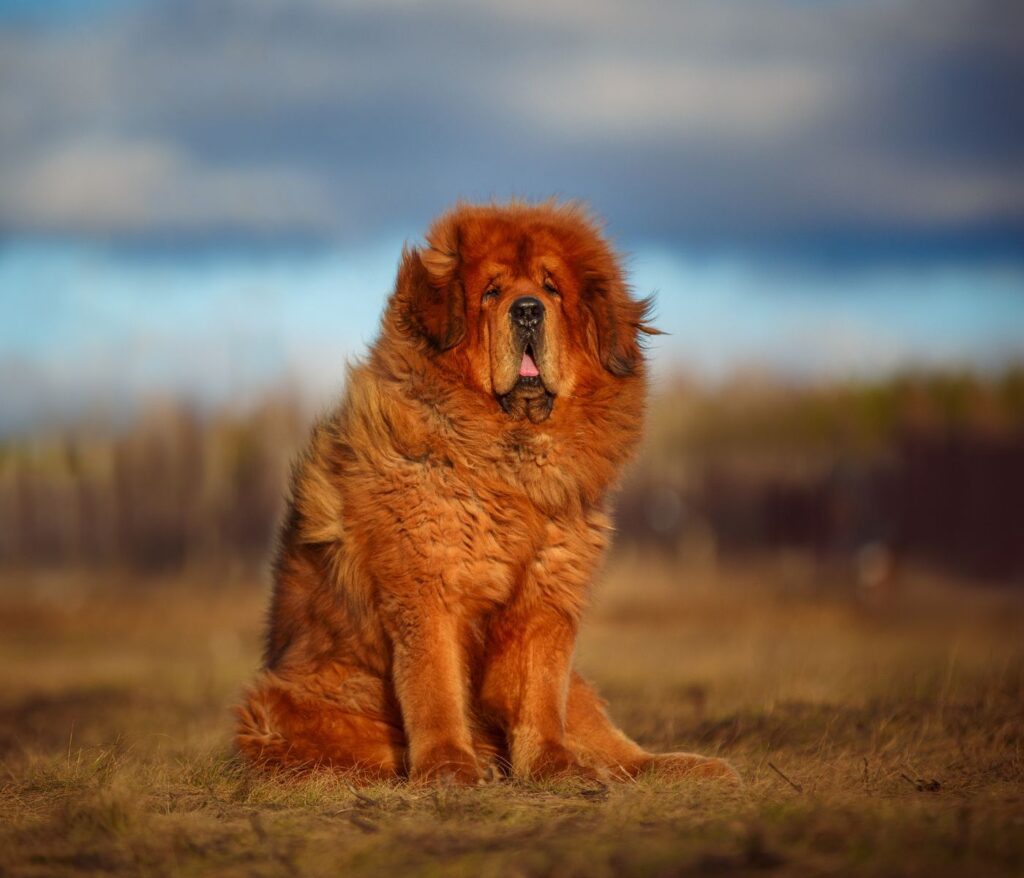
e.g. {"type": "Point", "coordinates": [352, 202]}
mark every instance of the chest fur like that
{"type": "Point", "coordinates": [469, 534]}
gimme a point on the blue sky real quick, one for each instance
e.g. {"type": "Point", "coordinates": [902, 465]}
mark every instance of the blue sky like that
{"type": "Point", "coordinates": [208, 197]}
{"type": "Point", "coordinates": [91, 328]}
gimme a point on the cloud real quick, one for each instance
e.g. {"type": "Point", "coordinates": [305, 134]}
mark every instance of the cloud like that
{"type": "Point", "coordinates": [616, 99]}
{"type": "Point", "coordinates": [744, 124]}
{"type": "Point", "coordinates": [130, 188]}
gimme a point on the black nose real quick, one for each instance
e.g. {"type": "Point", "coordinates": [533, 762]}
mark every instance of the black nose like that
{"type": "Point", "coordinates": [527, 312]}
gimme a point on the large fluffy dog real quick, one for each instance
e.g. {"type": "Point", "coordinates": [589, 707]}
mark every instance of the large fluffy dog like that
{"type": "Point", "coordinates": [447, 518]}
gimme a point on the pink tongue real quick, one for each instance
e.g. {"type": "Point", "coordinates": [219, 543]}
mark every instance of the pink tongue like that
{"type": "Point", "coordinates": [528, 368]}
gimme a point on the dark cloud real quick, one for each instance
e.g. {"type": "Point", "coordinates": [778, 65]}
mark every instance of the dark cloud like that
{"type": "Point", "coordinates": [868, 127]}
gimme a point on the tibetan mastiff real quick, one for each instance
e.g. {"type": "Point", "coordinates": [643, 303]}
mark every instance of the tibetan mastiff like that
{"type": "Point", "coordinates": [447, 519]}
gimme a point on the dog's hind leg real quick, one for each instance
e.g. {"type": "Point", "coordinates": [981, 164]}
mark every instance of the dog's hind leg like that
{"type": "Point", "coordinates": [339, 719]}
{"type": "Point", "coordinates": [591, 734]}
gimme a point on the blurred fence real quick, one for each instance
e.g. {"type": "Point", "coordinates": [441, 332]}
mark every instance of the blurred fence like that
{"type": "Point", "coordinates": [924, 467]}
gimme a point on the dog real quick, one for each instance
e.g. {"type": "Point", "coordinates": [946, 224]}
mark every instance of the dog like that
{"type": "Point", "coordinates": [446, 520]}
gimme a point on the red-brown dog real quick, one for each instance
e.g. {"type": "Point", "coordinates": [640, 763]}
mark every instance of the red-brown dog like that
{"type": "Point", "coordinates": [447, 519]}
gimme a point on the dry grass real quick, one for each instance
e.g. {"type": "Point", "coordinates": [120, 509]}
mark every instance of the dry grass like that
{"type": "Point", "coordinates": [882, 737]}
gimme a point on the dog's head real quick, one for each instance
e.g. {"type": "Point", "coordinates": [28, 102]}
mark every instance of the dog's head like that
{"type": "Point", "coordinates": [526, 303]}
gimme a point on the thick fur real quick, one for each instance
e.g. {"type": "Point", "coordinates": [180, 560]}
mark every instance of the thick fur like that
{"type": "Point", "coordinates": [446, 521]}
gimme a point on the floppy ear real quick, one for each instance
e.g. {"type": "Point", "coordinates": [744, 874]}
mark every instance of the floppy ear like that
{"type": "Point", "coordinates": [434, 301]}
{"type": "Point", "coordinates": [619, 320]}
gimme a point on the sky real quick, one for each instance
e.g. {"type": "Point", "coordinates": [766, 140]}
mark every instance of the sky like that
{"type": "Point", "coordinates": [208, 197]}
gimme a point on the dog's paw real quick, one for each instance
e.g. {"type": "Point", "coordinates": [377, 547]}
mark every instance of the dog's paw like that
{"type": "Point", "coordinates": [687, 766]}
{"type": "Point", "coordinates": [552, 761]}
{"type": "Point", "coordinates": [447, 765]}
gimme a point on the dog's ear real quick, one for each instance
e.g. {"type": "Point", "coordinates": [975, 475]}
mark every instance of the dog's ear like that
{"type": "Point", "coordinates": [431, 291]}
{"type": "Point", "coordinates": [619, 319]}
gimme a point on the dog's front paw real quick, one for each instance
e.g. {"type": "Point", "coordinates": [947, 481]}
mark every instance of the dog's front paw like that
{"type": "Point", "coordinates": [447, 764]}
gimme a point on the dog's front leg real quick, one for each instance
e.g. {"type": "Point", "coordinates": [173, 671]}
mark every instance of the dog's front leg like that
{"type": "Point", "coordinates": [430, 681]}
{"type": "Point", "coordinates": [526, 681]}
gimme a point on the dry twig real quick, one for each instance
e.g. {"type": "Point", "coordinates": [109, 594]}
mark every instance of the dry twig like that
{"type": "Point", "coordinates": [793, 784]}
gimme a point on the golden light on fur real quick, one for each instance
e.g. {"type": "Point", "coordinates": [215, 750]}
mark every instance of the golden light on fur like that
{"type": "Point", "coordinates": [447, 519]}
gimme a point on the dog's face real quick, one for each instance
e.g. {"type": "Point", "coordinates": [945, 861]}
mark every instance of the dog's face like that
{"type": "Point", "coordinates": [524, 303]}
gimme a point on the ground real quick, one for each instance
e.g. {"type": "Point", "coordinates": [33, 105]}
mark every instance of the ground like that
{"type": "Point", "coordinates": [877, 732]}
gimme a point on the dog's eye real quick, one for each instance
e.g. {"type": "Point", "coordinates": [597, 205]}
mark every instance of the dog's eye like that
{"type": "Point", "coordinates": [549, 285]}
{"type": "Point", "coordinates": [491, 293]}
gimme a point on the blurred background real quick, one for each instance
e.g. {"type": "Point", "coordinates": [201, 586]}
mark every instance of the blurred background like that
{"type": "Point", "coordinates": [820, 559]}
{"type": "Point", "coordinates": [202, 204]}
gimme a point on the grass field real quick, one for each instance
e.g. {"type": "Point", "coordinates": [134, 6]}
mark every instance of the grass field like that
{"type": "Point", "coordinates": [884, 737]}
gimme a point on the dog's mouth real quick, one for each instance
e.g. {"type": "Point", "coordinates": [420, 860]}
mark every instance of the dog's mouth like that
{"type": "Point", "coordinates": [529, 373]}
{"type": "Point", "coordinates": [529, 397]}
